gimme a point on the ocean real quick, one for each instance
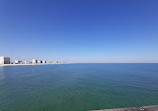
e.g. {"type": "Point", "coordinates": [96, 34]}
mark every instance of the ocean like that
{"type": "Point", "coordinates": [78, 87]}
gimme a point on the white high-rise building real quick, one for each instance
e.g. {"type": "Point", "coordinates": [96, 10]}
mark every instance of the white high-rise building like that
{"type": "Point", "coordinates": [4, 60]}
{"type": "Point", "coordinates": [34, 61]}
{"type": "Point", "coordinates": [39, 61]}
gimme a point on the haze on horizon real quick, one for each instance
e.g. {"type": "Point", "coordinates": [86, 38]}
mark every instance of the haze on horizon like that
{"type": "Point", "coordinates": [88, 31]}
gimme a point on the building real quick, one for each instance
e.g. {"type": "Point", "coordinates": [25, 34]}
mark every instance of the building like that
{"type": "Point", "coordinates": [43, 61]}
{"type": "Point", "coordinates": [18, 62]}
{"type": "Point", "coordinates": [39, 61]}
{"type": "Point", "coordinates": [56, 62]}
{"type": "Point", "coordinates": [34, 61]}
{"type": "Point", "coordinates": [26, 62]}
{"type": "Point", "coordinates": [4, 60]}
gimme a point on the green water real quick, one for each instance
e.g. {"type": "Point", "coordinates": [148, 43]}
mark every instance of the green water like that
{"type": "Point", "coordinates": [77, 87]}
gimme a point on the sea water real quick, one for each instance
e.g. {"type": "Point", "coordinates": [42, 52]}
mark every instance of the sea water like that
{"type": "Point", "coordinates": [78, 87]}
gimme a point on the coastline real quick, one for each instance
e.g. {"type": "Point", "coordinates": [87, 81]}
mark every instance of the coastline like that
{"type": "Point", "coordinates": [29, 64]}
{"type": "Point", "coordinates": [143, 108]}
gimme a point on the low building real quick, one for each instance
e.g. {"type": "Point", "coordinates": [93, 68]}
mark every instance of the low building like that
{"type": "Point", "coordinates": [18, 62]}
{"type": "Point", "coordinates": [4, 60]}
{"type": "Point", "coordinates": [26, 62]}
{"type": "Point", "coordinates": [56, 62]}
{"type": "Point", "coordinates": [34, 61]}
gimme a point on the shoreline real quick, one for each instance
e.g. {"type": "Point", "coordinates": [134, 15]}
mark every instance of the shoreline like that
{"type": "Point", "coordinates": [2, 65]}
{"type": "Point", "coordinates": [29, 64]}
{"type": "Point", "coordinates": [143, 108]}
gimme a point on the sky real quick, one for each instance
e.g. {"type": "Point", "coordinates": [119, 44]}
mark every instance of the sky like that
{"type": "Point", "coordinates": [80, 31]}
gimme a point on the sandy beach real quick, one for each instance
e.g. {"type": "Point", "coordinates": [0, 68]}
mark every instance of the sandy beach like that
{"type": "Point", "coordinates": [2, 65]}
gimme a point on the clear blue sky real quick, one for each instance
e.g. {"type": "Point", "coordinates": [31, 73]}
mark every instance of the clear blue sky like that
{"type": "Point", "coordinates": [80, 30]}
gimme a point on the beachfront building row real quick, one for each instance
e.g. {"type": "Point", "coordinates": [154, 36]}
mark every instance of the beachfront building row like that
{"type": "Point", "coordinates": [4, 60]}
{"type": "Point", "coordinates": [34, 61]}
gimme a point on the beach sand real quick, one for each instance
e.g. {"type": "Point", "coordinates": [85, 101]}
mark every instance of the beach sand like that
{"type": "Point", "coordinates": [29, 64]}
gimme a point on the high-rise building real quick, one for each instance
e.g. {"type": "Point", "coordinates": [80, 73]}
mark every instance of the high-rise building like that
{"type": "Point", "coordinates": [39, 61]}
{"type": "Point", "coordinates": [34, 61]}
{"type": "Point", "coordinates": [4, 60]}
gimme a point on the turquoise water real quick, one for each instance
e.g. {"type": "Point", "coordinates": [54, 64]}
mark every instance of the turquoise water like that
{"type": "Point", "coordinates": [77, 87]}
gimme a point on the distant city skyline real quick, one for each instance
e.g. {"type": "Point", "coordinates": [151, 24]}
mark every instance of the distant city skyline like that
{"type": "Point", "coordinates": [81, 31]}
{"type": "Point", "coordinates": [7, 61]}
